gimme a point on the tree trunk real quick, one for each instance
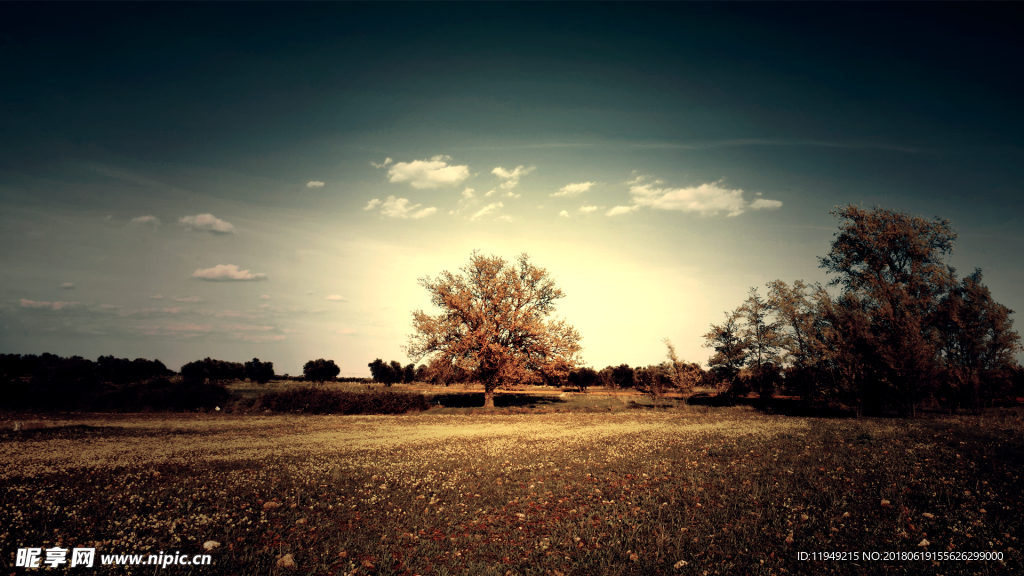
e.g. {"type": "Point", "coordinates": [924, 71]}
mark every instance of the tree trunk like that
{"type": "Point", "coordinates": [488, 398]}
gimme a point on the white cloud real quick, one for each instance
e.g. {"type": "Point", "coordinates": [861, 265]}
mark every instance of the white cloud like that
{"type": "Point", "coordinates": [399, 208]}
{"type": "Point", "coordinates": [570, 190]}
{"type": "Point", "coordinates": [489, 209]}
{"type": "Point", "coordinates": [563, 214]}
{"type": "Point", "coordinates": [226, 273]}
{"type": "Point", "coordinates": [511, 179]}
{"type": "Point", "coordinates": [382, 164]}
{"type": "Point", "coordinates": [506, 218]}
{"type": "Point", "coordinates": [621, 210]}
{"type": "Point", "coordinates": [705, 199]}
{"type": "Point", "coordinates": [265, 297]}
{"type": "Point", "coordinates": [146, 221]}
{"type": "Point", "coordinates": [336, 298]}
{"type": "Point", "coordinates": [372, 204]}
{"type": "Point", "coordinates": [762, 204]}
{"type": "Point", "coordinates": [67, 285]}
{"type": "Point", "coordinates": [428, 173]}
{"type": "Point", "coordinates": [314, 184]}
{"type": "Point", "coordinates": [206, 223]}
{"type": "Point", "coordinates": [588, 209]}
{"type": "Point", "coordinates": [468, 193]}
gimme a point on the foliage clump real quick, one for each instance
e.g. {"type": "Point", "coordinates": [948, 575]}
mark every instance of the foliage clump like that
{"type": "Point", "coordinates": [320, 401]}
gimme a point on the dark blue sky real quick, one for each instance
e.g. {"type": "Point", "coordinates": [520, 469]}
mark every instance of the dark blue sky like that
{"type": "Point", "coordinates": [168, 111]}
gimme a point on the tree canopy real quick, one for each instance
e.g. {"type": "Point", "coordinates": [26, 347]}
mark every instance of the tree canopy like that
{"type": "Point", "coordinates": [494, 323]}
{"type": "Point", "coordinates": [320, 370]}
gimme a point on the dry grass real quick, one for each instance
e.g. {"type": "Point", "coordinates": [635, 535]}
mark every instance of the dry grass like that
{"type": "Point", "coordinates": [633, 491]}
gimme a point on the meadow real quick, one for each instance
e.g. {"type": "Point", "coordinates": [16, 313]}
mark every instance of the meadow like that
{"type": "Point", "coordinates": [570, 485]}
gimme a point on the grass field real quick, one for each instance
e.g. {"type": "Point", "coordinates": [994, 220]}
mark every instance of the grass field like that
{"type": "Point", "coordinates": [591, 489]}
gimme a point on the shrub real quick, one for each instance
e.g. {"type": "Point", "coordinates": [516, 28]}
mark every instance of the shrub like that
{"type": "Point", "coordinates": [319, 401]}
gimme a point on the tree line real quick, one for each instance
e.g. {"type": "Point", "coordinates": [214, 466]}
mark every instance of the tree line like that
{"type": "Point", "coordinates": [902, 330]}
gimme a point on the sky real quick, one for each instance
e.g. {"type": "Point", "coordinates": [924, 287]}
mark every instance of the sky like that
{"type": "Point", "coordinates": [241, 180]}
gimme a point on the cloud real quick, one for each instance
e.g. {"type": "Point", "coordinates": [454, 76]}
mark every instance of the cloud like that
{"type": "Point", "coordinates": [187, 299]}
{"type": "Point", "coordinates": [763, 204]}
{"type": "Point", "coordinates": [428, 173]}
{"type": "Point", "coordinates": [705, 199]}
{"type": "Point", "coordinates": [259, 338]}
{"type": "Point", "coordinates": [468, 193]}
{"type": "Point", "coordinates": [489, 209]}
{"type": "Point", "coordinates": [336, 298]}
{"type": "Point", "coordinates": [206, 223]}
{"type": "Point", "coordinates": [511, 179]}
{"type": "Point", "coordinates": [587, 209]}
{"type": "Point", "coordinates": [621, 210]}
{"type": "Point", "coordinates": [226, 273]}
{"type": "Point", "coordinates": [346, 331]}
{"type": "Point", "coordinates": [314, 184]}
{"type": "Point", "coordinates": [570, 190]}
{"type": "Point", "coordinates": [563, 214]}
{"type": "Point", "coordinates": [506, 218]}
{"type": "Point", "coordinates": [67, 285]}
{"type": "Point", "coordinates": [372, 204]}
{"type": "Point", "coordinates": [382, 164]}
{"type": "Point", "coordinates": [146, 221]}
{"type": "Point", "coordinates": [399, 208]}
{"type": "Point", "coordinates": [51, 305]}
{"type": "Point", "coordinates": [265, 297]}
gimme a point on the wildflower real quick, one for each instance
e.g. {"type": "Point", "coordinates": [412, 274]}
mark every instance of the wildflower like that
{"type": "Point", "coordinates": [928, 515]}
{"type": "Point", "coordinates": [886, 504]}
{"type": "Point", "coordinates": [680, 564]}
{"type": "Point", "coordinates": [286, 561]}
{"type": "Point", "coordinates": [210, 544]}
{"type": "Point", "coordinates": [924, 542]}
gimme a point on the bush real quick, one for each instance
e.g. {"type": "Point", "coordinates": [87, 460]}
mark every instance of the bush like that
{"type": "Point", "coordinates": [161, 394]}
{"type": "Point", "coordinates": [319, 401]}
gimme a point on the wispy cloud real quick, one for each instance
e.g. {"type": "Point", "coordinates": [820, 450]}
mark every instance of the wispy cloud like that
{"type": "Point", "coordinates": [848, 144]}
{"type": "Point", "coordinates": [150, 221]}
{"type": "Point", "coordinates": [265, 297]}
{"type": "Point", "coordinates": [489, 209]}
{"type": "Point", "coordinates": [187, 299]}
{"type": "Point", "coordinates": [563, 214]}
{"type": "Point", "coordinates": [621, 210]}
{"type": "Point", "coordinates": [314, 184]}
{"type": "Point", "coordinates": [570, 190]}
{"type": "Point", "coordinates": [399, 208]}
{"type": "Point", "coordinates": [206, 223]}
{"type": "Point", "coordinates": [51, 305]}
{"type": "Point", "coordinates": [706, 199]}
{"type": "Point", "coordinates": [428, 173]}
{"type": "Point", "coordinates": [511, 179]}
{"type": "Point", "coordinates": [67, 285]}
{"type": "Point", "coordinates": [336, 298]}
{"type": "Point", "coordinates": [587, 209]}
{"type": "Point", "coordinates": [226, 273]}
{"type": "Point", "coordinates": [382, 164]}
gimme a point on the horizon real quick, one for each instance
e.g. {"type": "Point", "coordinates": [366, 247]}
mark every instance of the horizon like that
{"type": "Point", "coordinates": [188, 181]}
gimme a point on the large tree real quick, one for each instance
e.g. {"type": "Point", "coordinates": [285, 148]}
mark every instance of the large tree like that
{"type": "Point", "coordinates": [494, 322]}
{"type": "Point", "coordinates": [892, 263]}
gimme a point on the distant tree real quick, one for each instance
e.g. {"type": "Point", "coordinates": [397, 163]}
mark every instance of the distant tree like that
{"type": "Point", "coordinates": [730, 349]}
{"type": "Point", "coordinates": [555, 373]}
{"type": "Point", "coordinates": [494, 322]}
{"type": "Point", "coordinates": [422, 373]}
{"type": "Point", "coordinates": [386, 373]}
{"type": "Point", "coordinates": [409, 373]}
{"type": "Point", "coordinates": [623, 376]}
{"type": "Point", "coordinates": [259, 372]}
{"type": "Point", "coordinates": [214, 371]}
{"type": "Point", "coordinates": [684, 375]}
{"type": "Point", "coordinates": [320, 370]}
{"type": "Point", "coordinates": [583, 378]}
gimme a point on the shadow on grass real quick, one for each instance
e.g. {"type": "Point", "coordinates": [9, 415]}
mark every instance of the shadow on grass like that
{"type": "Point", "coordinates": [476, 400]}
{"type": "Point", "coordinates": [781, 406]}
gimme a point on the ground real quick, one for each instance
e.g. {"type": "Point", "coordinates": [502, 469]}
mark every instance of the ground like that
{"type": "Point", "coordinates": [631, 489]}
